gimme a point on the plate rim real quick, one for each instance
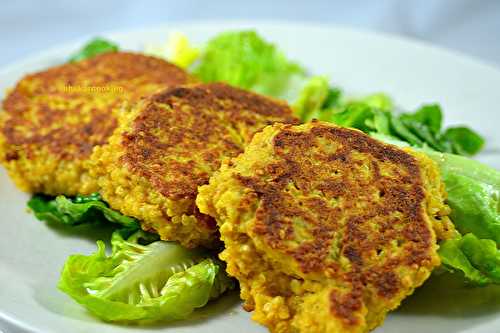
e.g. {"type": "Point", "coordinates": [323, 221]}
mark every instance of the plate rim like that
{"type": "Point", "coordinates": [13, 322]}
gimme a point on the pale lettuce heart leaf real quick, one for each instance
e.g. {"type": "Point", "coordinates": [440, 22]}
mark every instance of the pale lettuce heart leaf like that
{"type": "Point", "coordinates": [160, 281]}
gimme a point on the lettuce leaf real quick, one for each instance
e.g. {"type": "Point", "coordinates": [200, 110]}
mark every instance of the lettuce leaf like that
{"type": "Point", "coordinates": [377, 101]}
{"type": "Point", "coordinates": [143, 283]}
{"type": "Point", "coordinates": [376, 113]}
{"type": "Point", "coordinates": [79, 210]}
{"type": "Point", "coordinates": [429, 116]}
{"type": "Point", "coordinates": [333, 98]}
{"type": "Point", "coordinates": [477, 259]}
{"type": "Point", "coordinates": [426, 123]}
{"type": "Point", "coordinates": [181, 52]}
{"type": "Point", "coordinates": [177, 50]}
{"type": "Point", "coordinates": [313, 96]}
{"type": "Point", "coordinates": [355, 115]}
{"type": "Point", "coordinates": [473, 194]}
{"type": "Point", "coordinates": [463, 140]}
{"type": "Point", "coordinates": [94, 47]}
{"type": "Point", "coordinates": [244, 59]}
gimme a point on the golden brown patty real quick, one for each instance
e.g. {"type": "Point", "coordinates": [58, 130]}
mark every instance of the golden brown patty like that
{"type": "Point", "coordinates": [54, 118]}
{"type": "Point", "coordinates": [171, 143]}
{"type": "Point", "coordinates": [325, 228]}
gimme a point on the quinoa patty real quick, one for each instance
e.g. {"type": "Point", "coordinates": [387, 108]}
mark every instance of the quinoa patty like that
{"type": "Point", "coordinates": [53, 119]}
{"type": "Point", "coordinates": [171, 143]}
{"type": "Point", "coordinates": [325, 228]}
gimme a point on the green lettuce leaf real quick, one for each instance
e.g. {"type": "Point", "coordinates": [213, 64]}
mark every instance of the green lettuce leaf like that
{"type": "Point", "coordinates": [429, 116]}
{"type": "Point", "coordinates": [363, 115]}
{"type": "Point", "coordinates": [423, 128]}
{"type": "Point", "coordinates": [473, 194]}
{"type": "Point", "coordinates": [463, 140]}
{"type": "Point", "coordinates": [355, 115]}
{"type": "Point", "coordinates": [79, 210]}
{"type": "Point", "coordinates": [426, 123]}
{"type": "Point", "coordinates": [381, 122]}
{"type": "Point", "coordinates": [94, 47]}
{"type": "Point", "coordinates": [377, 101]}
{"type": "Point", "coordinates": [477, 259]}
{"type": "Point", "coordinates": [246, 60]}
{"type": "Point", "coordinates": [333, 98]}
{"type": "Point", "coordinates": [313, 96]}
{"type": "Point", "coordinates": [143, 283]}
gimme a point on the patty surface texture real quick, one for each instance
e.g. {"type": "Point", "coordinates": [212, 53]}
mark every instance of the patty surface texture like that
{"type": "Point", "coordinates": [51, 120]}
{"type": "Point", "coordinates": [325, 228]}
{"type": "Point", "coordinates": [171, 143]}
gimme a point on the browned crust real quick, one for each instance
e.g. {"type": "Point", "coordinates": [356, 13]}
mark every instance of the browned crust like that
{"type": "Point", "coordinates": [33, 123]}
{"type": "Point", "coordinates": [374, 211]}
{"type": "Point", "coordinates": [347, 306]}
{"type": "Point", "coordinates": [181, 135]}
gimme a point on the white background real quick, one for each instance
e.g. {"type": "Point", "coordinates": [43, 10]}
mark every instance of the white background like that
{"type": "Point", "coordinates": [468, 26]}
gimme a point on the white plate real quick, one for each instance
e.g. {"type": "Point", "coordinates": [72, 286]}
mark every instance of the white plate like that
{"type": "Point", "coordinates": [31, 253]}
